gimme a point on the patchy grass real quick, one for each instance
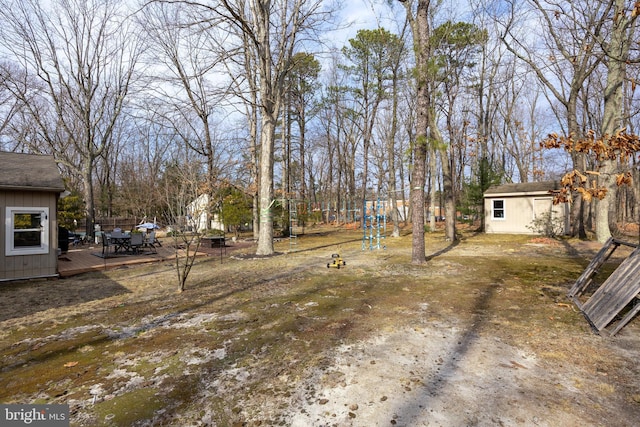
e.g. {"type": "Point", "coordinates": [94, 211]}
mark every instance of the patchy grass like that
{"type": "Point", "coordinates": [242, 342]}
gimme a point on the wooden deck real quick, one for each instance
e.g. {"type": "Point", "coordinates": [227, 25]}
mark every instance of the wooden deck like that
{"type": "Point", "coordinates": [85, 258]}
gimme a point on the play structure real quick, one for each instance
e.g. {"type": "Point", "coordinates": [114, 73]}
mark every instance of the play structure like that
{"type": "Point", "coordinates": [374, 224]}
{"type": "Point", "coordinates": [293, 224]}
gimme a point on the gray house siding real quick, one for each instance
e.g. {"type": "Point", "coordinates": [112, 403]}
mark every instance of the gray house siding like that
{"type": "Point", "coordinates": [33, 265]}
{"type": "Point", "coordinates": [29, 189]}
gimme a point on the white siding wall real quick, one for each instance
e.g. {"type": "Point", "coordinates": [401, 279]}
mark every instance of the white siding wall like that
{"type": "Point", "coordinates": [519, 212]}
{"type": "Point", "coordinates": [200, 217]}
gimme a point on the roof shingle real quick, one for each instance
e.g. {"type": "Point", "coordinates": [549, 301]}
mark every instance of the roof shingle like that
{"type": "Point", "coordinates": [31, 172]}
{"type": "Point", "coordinates": [524, 187]}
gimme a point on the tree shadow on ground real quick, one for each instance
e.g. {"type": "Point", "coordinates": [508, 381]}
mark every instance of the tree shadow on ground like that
{"type": "Point", "coordinates": [443, 251]}
{"type": "Point", "coordinates": [27, 297]}
{"type": "Point", "coordinates": [465, 342]}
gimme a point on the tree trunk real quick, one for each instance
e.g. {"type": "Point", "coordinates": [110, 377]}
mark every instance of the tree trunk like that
{"type": "Point", "coordinates": [265, 235]}
{"type": "Point", "coordinates": [270, 98]}
{"type": "Point", "coordinates": [393, 197]}
{"type": "Point", "coordinates": [365, 172]}
{"type": "Point", "coordinates": [612, 118]}
{"type": "Point", "coordinates": [449, 197]}
{"type": "Point", "coordinates": [255, 161]}
{"type": "Point", "coordinates": [303, 129]}
{"type": "Point", "coordinates": [87, 179]}
{"type": "Point", "coordinates": [420, 30]}
{"type": "Point", "coordinates": [433, 167]}
{"type": "Point", "coordinates": [447, 180]}
{"type": "Point", "coordinates": [578, 211]}
{"type": "Point", "coordinates": [255, 179]}
{"type": "Point", "coordinates": [417, 197]}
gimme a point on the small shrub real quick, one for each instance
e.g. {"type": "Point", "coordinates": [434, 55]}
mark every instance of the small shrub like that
{"type": "Point", "coordinates": [213, 232]}
{"type": "Point", "coordinates": [547, 225]}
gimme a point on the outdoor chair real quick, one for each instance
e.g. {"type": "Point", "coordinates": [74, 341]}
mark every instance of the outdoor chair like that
{"type": "Point", "coordinates": [151, 242]}
{"type": "Point", "coordinates": [106, 244]}
{"type": "Point", "coordinates": [152, 239]}
{"type": "Point", "coordinates": [136, 242]}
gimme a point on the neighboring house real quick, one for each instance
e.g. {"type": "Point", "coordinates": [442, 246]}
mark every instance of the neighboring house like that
{"type": "Point", "coordinates": [511, 208]}
{"type": "Point", "coordinates": [30, 186]}
{"type": "Point", "coordinates": [199, 217]}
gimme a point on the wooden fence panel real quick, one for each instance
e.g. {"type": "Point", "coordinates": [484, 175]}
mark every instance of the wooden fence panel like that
{"type": "Point", "coordinates": [586, 278]}
{"type": "Point", "coordinates": [109, 223]}
{"type": "Point", "coordinates": [622, 286]}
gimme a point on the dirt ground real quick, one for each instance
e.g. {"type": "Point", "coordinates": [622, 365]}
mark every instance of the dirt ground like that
{"type": "Point", "coordinates": [480, 335]}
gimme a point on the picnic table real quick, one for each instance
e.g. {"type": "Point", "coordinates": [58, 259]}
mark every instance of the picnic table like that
{"type": "Point", "coordinates": [120, 241]}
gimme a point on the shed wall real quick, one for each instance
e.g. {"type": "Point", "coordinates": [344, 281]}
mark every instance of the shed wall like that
{"type": "Point", "coordinates": [29, 266]}
{"type": "Point", "coordinates": [519, 213]}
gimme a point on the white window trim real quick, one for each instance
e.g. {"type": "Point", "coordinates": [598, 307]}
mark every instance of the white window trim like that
{"type": "Point", "coordinates": [10, 249]}
{"type": "Point", "coordinates": [493, 209]}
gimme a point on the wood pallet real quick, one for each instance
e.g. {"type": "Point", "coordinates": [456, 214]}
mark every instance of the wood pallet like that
{"type": "Point", "coordinates": [617, 292]}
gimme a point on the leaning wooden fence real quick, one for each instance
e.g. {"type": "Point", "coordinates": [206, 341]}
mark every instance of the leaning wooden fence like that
{"type": "Point", "coordinates": [619, 292]}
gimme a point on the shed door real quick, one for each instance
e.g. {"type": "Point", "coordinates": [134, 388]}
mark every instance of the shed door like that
{"type": "Point", "coordinates": [542, 207]}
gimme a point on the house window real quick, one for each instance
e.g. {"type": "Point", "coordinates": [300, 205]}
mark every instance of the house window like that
{"type": "Point", "coordinates": [498, 209]}
{"type": "Point", "coordinates": [27, 231]}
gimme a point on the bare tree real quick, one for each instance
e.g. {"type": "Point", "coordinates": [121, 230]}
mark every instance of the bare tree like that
{"type": "Point", "coordinates": [522, 134]}
{"type": "Point", "coordinates": [241, 67]}
{"type": "Point", "coordinates": [571, 35]}
{"type": "Point", "coordinates": [182, 188]}
{"type": "Point", "coordinates": [397, 56]}
{"type": "Point", "coordinates": [83, 55]}
{"type": "Point", "coordinates": [273, 29]}
{"type": "Point", "coordinates": [455, 50]}
{"type": "Point", "coordinates": [302, 88]}
{"type": "Point", "coordinates": [185, 85]}
{"type": "Point", "coordinates": [9, 106]}
{"type": "Point", "coordinates": [148, 147]}
{"type": "Point", "coordinates": [338, 147]}
{"type": "Point", "coordinates": [370, 55]}
{"type": "Point", "coordinates": [484, 99]}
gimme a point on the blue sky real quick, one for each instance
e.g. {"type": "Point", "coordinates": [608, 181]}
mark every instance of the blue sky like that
{"type": "Point", "coordinates": [362, 14]}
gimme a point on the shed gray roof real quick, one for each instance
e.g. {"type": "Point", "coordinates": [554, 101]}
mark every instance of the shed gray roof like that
{"type": "Point", "coordinates": [31, 172]}
{"type": "Point", "coordinates": [523, 188]}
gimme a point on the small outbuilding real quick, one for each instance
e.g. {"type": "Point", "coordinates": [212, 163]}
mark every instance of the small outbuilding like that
{"type": "Point", "coordinates": [30, 186]}
{"type": "Point", "coordinates": [199, 216]}
{"type": "Point", "coordinates": [512, 208]}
